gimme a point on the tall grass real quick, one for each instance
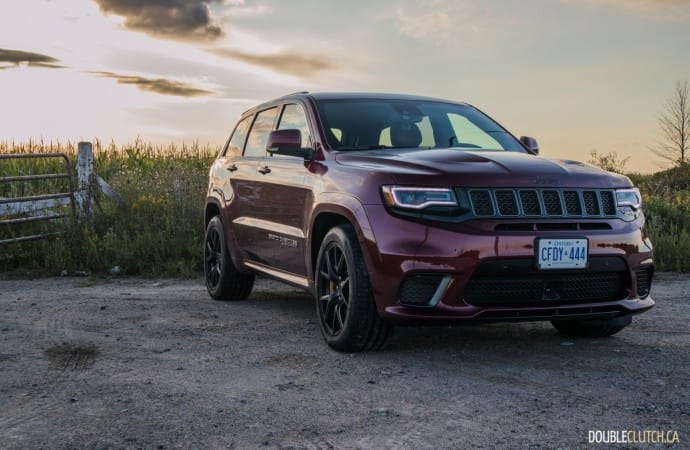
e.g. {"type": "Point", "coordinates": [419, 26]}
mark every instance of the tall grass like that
{"type": "Point", "coordinates": [666, 203]}
{"type": "Point", "coordinates": [158, 231]}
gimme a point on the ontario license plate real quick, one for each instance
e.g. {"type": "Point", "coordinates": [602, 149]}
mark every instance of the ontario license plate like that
{"type": "Point", "coordinates": [562, 253]}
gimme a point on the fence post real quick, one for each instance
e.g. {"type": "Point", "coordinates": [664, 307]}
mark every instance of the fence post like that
{"type": "Point", "coordinates": [85, 177]}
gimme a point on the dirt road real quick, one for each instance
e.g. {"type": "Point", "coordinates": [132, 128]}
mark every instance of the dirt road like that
{"type": "Point", "coordinates": [141, 363]}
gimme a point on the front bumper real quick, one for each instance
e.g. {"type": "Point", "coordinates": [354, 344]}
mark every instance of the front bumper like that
{"type": "Point", "coordinates": [472, 272]}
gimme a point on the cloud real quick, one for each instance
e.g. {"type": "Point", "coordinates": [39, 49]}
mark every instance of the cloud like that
{"type": "Point", "coordinates": [173, 19]}
{"type": "Point", "coordinates": [19, 57]}
{"type": "Point", "coordinates": [288, 62]}
{"type": "Point", "coordinates": [652, 9]}
{"type": "Point", "coordinates": [240, 9]}
{"type": "Point", "coordinates": [157, 85]}
{"type": "Point", "coordinates": [449, 22]}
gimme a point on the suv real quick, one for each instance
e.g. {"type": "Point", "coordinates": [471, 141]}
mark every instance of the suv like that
{"type": "Point", "coordinates": [403, 209]}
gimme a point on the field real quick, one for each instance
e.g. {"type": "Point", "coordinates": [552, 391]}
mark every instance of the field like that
{"type": "Point", "coordinates": [159, 231]}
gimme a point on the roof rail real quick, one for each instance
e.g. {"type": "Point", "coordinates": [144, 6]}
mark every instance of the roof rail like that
{"type": "Point", "coordinates": [295, 93]}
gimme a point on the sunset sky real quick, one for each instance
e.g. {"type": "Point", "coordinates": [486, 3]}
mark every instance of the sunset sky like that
{"type": "Point", "coordinates": [579, 75]}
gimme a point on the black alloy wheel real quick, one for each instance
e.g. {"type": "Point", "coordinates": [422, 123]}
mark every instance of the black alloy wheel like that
{"type": "Point", "coordinates": [345, 305]}
{"type": "Point", "coordinates": [223, 280]}
{"type": "Point", "coordinates": [334, 289]}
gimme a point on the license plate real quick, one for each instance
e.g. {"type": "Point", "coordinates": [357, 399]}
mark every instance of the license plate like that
{"type": "Point", "coordinates": [562, 253]}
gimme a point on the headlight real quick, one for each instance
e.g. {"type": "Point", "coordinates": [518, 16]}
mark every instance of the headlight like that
{"type": "Point", "coordinates": [629, 197]}
{"type": "Point", "coordinates": [418, 197]}
{"type": "Point", "coordinates": [629, 202]}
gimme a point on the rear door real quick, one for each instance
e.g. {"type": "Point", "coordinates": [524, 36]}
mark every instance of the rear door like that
{"type": "Point", "coordinates": [246, 188]}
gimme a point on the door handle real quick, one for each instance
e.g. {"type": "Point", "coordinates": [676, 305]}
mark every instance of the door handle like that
{"type": "Point", "coordinates": [232, 168]}
{"type": "Point", "coordinates": [264, 170]}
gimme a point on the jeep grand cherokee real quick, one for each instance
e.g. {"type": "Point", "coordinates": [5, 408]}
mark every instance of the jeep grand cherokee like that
{"type": "Point", "coordinates": [400, 209]}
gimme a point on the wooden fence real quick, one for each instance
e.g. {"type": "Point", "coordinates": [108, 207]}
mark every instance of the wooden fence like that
{"type": "Point", "coordinates": [77, 197]}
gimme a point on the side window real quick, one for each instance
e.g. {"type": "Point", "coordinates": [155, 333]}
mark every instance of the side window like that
{"type": "Point", "coordinates": [470, 135]}
{"type": "Point", "coordinates": [258, 135]}
{"type": "Point", "coordinates": [294, 118]}
{"type": "Point", "coordinates": [239, 136]}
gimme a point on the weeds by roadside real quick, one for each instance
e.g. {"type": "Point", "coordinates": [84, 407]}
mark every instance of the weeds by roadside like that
{"type": "Point", "coordinates": [160, 230]}
{"type": "Point", "coordinates": [666, 203]}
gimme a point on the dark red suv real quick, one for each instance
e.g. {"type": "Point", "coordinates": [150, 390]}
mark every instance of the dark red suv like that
{"type": "Point", "coordinates": [401, 209]}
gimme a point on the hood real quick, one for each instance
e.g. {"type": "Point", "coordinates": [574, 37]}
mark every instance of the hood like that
{"type": "Point", "coordinates": [451, 167]}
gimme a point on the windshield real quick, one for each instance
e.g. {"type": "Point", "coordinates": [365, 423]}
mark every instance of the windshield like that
{"type": "Point", "coordinates": [367, 124]}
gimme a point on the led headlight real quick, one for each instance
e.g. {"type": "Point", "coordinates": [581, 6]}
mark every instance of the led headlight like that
{"type": "Point", "coordinates": [418, 197]}
{"type": "Point", "coordinates": [629, 202]}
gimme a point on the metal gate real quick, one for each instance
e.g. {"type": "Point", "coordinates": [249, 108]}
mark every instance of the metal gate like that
{"type": "Point", "coordinates": [25, 209]}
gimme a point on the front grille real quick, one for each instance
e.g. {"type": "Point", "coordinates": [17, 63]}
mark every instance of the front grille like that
{"type": "Point", "coordinates": [552, 203]}
{"type": "Point", "coordinates": [591, 203]}
{"type": "Point", "coordinates": [519, 283]}
{"type": "Point", "coordinates": [507, 206]}
{"type": "Point", "coordinates": [506, 291]}
{"type": "Point", "coordinates": [644, 281]}
{"type": "Point", "coordinates": [573, 206]}
{"type": "Point", "coordinates": [418, 290]}
{"type": "Point", "coordinates": [546, 203]}
{"type": "Point", "coordinates": [608, 204]}
{"type": "Point", "coordinates": [481, 201]}
{"type": "Point", "coordinates": [530, 203]}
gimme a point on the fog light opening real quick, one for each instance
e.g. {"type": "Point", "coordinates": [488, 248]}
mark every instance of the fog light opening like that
{"type": "Point", "coordinates": [423, 290]}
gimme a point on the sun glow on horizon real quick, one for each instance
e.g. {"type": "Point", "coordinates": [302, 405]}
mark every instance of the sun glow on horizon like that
{"type": "Point", "coordinates": [575, 82]}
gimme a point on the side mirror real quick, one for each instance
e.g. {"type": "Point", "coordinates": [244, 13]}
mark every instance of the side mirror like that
{"type": "Point", "coordinates": [530, 144]}
{"type": "Point", "coordinates": [289, 143]}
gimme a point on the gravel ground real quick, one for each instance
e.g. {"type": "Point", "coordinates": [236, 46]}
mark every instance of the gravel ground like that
{"type": "Point", "coordinates": [142, 363]}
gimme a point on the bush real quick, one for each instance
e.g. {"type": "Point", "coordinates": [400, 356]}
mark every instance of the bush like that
{"type": "Point", "coordinates": [668, 223]}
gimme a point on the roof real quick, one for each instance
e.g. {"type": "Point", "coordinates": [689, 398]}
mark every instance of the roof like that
{"type": "Point", "coordinates": [352, 95]}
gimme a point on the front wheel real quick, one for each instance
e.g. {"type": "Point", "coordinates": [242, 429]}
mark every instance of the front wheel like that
{"type": "Point", "coordinates": [596, 328]}
{"type": "Point", "coordinates": [223, 280]}
{"type": "Point", "coordinates": [344, 303]}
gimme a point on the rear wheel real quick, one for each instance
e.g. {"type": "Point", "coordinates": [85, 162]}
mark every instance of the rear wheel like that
{"type": "Point", "coordinates": [223, 280]}
{"type": "Point", "coordinates": [344, 303]}
{"type": "Point", "coordinates": [591, 328]}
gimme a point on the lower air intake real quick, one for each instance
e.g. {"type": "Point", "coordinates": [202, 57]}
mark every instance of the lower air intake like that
{"type": "Point", "coordinates": [644, 281]}
{"type": "Point", "coordinates": [419, 290]}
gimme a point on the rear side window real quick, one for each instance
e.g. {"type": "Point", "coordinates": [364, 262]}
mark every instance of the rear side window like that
{"type": "Point", "coordinates": [258, 135]}
{"type": "Point", "coordinates": [239, 136]}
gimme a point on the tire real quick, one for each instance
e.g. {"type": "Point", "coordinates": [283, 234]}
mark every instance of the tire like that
{"type": "Point", "coordinates": [223, 280]}
{"type": "Point", "coordinates": [598, 328]}
{"type": "Point", "coordinates": [345, 305]}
